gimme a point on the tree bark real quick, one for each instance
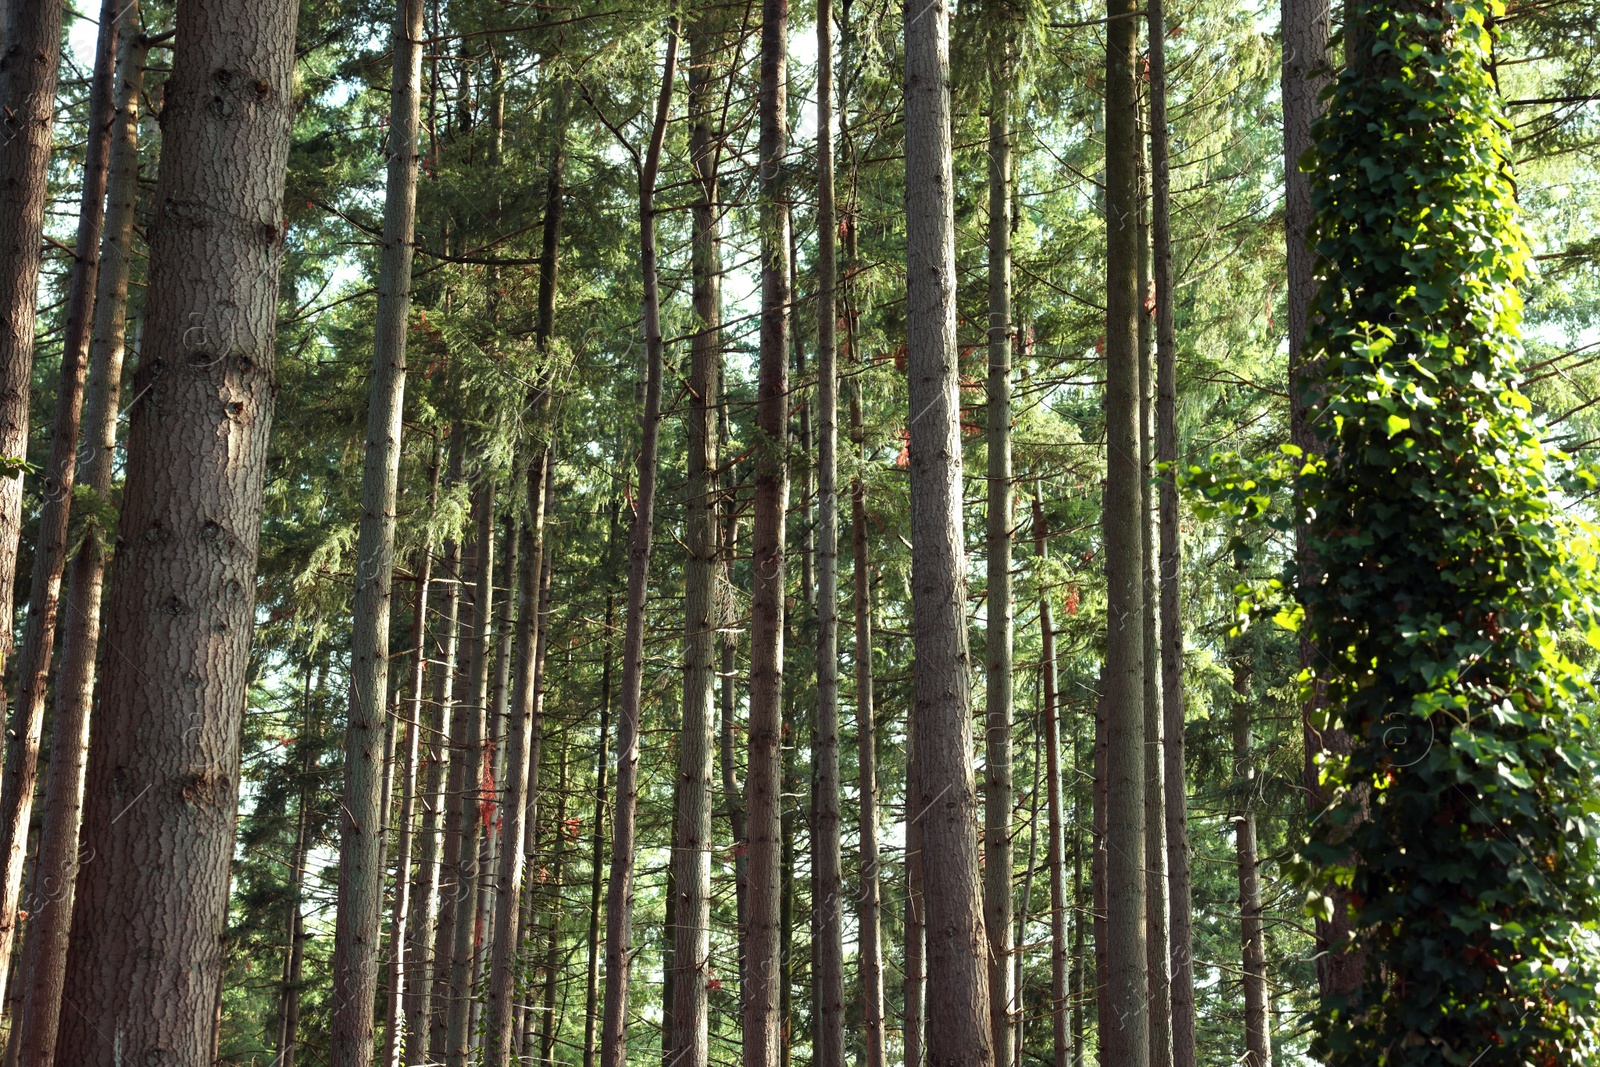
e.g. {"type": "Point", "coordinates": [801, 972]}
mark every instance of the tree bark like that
{"type": "Point", "coordinates": [360, 903]}
{"type": "Point", "coordinates": [56, 868]}
{"type": "Point", "coordinates": [689, 1044]}
{"type": "Point", "coordinates": [1170, 561]}
{"type": "Point", "coordinates": [763, 962]}
{"type": "Point", "coordinates": [1062, 1043]}
{"type": "Point", "coordinates": [1125, 1024]}
{"type": "Point", "coordinates": [1252, 933]}
{"type": "Point", "coordinates": [524, 731]}
{"type": "Point", "coordinates": [914, 994]}
{"type": "Point", "coordinates": [55, 487]}
{"type": "Point", "coordinates": [28, 65]}
{"type": "Point", "coordinates": [619, 889]}
{"type": "Point", "coordinates": [999, 787]}
{"type": "Point", "coordinates": [596, 851]}
{"type": "Point", "coordinates": [162, 790]}
{"type": "Point", "coordinates": [958, 1017]}
{"type": "Point", "coordinates": [826, 878]}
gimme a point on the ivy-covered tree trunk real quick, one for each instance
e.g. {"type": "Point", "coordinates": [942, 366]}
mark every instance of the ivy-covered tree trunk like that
{"type": "Point", "coordinates": [1463, 821]}
{"type": "Point", "coordinates": [145, 962]}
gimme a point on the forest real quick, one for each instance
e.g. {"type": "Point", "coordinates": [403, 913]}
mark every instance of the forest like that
{"type": "Point", "coordinates": [985, 533]}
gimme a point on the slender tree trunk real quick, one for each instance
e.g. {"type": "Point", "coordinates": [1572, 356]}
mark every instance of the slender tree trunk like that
{"type": "Point", "coordinates": [763, 963]}
{"type": "Point", "coordinates": [1170, 561]}
{"type": "Point", "coordinates": [524, 729]}
{"type": "Point", "coordinates": [1075, 973]}
{"type": "Point", "coordinates": [549, 1021]}
{"type": "Point", "coordinates": [732, 791]}
{"type": "Point", "coordinates": [826, 877]}
{"type": "Point", "coordinates": [619, 889]}
{"type": "Point", "coordinates": [428, 976]}
{"type": "Point", "coordinates": [869, 919]}
{"type": "Point", "coordinates": [355, 945]}
{"type": "Point", "coordinates": [1062, 1043]}
{"type": "Point", "coordinates": [1157, 949]}
{"type": "Point", "coordinates": [916, 918]}
{"type": "Point", "coordinates": [691, 862]}
{"type": "Point", "coordinates": [958, 1018]}
{"type": "Point", "coordinates": [55, 486]}
{"type": "Point", "coordinates": [28, 63]}
{"type": "Point", "coordinates": [1252, 933]}
{"type": "Point", "coordinates": [597, 851]}
{"type": "Point", "coordinates": [50, 913]}
{"type": "Point", "coordinates": [475, 756]}
{"type": "Point", "coordinates": [1019, 1031]}
{"type": "Point", "coordinates": [1125, 1024]}
{"type": "Point", "coordinates": [162, 789]}
{"type": "Point", "coordinates": [999, 788]}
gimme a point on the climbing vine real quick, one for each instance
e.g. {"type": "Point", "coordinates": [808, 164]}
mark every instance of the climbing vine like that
{"type": "Point", "coordinates": [1458, 581]}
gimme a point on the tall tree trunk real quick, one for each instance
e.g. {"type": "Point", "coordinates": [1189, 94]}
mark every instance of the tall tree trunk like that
{"type": "Point", "coordinates": [999, 788]}
{"type": "Point", "coordinates": [1062, 1043]}
{"type": "Point", "coordinates": [355, 944]}
{"type": "Point", "coordinates": [1157, 951]}
{"type": "Point", "coordinates": [958, 1018]}
{"type": "Point", "coordinates": [56, 869]}
{"type": "Point", "coordinates": [288, 1036]}
{"type": "Point", "coordinates": [549, 1020]}
{"type": "Point", "coordinates": [597, 849]}
{"type": "Point", "coordinates": [689, 1043]}
{"type": "Point", "coordinates": [826, 878]}
{"type": "Point", "coordinates": [478, 625]}
{"type": "Point", "coordinates": [763, 962]}
{"type": "Point", "coordinates": [55, 486]}
{"type": "Point", "coordinates": [28, 63]}
{"type": "Point", "coordinates": [427, 975]}
{"type": "Point", "coordinates": [732, 791]}
{"type": "Point", "coordinates": [619, 889]}
{"type": "Point", "coordinates": [914, 995]}
{"type": "Point", "coordinates": [1125, 1024]}
{"type": "Point", "coordinates": [162, 789]}
{"type": "Point", "coordinates": [1252, 932]}
{"type": "Point", "coordinates": [1170, 560]}
{"type": "Point", "coordinates": [524, 730]}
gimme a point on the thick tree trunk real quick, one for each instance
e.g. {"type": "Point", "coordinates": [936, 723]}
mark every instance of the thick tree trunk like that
{"type": "Point", "coordinates": [958, 1018]}
{"type": "Point", "coordinates": [1252, 932]}
{"type": "Point", "coordinates": [591, 990]}
{"type": "Point", "coordinates": [763, 962]}
{"type": "Point", "coordinates": [55, 486]}
{"type": "Point", "coordinates": [524, 731]}
{"type": "Point", "coordinates": [1157, 950]}
{"type": "Point", "coordinates": [826, 877]}
{"type": "Point", "coordinates": [999, 788]}
{"type": "Point", "coordinates": [1055, 860]}
{"type": "Point", "coordinates": [360, 906]}
{"type": "Point", "coordinates": [691, 861]}
{"type": "Point", "coordinates": [1170, 561]}
{"type": "Point", "coordinates": [475, 754]}
{"type": "Point", "coordinates": [162, 790]}
{"type": "Point", "coordinates": [427, 974]}
{"type": "Point", "coordinates": [619, 889]}
{"type": "Point", "coordinates": [1125, 1022]}
{"type": "Point", "coordinates": [28, 63]}
{"type": "Point", "coordinates": [56, 868]}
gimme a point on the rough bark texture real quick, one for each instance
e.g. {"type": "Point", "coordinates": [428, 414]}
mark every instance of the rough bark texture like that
{"type": "Point", "coordinates": [1055, 850]}
{"type": "Point", "coordinates": [763, 962]}
{"type": "Point", "coordinates": [1124, 1024]}
{"type": "Point", "coordinates": [1252, 932]}
{"type": "Point", "coordinates": [31, 54]}
{"type": "Point", "coordinates": [1170, 559]}
{"type": "Point", "coordinates": [520, 787]}
{"type": "Point", "coordinates": [55, 487]}
{"type": "Point", "coordinates": [689, 1041]}
{"type": "Point", "coordinates": [360, 902]}
{"type": "Point", "coordinates": [826, 878]}
{"type": "Point", "coordinates": [958, 1017]}
{"type": "Point", "coordinates": [56, 868]}
{"type": "Point", "coordinates": [619, 888]}
{"type": "Point", "coordinates": [999, 788]}
{"type": "Point", "coordinates": [162, 790]}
